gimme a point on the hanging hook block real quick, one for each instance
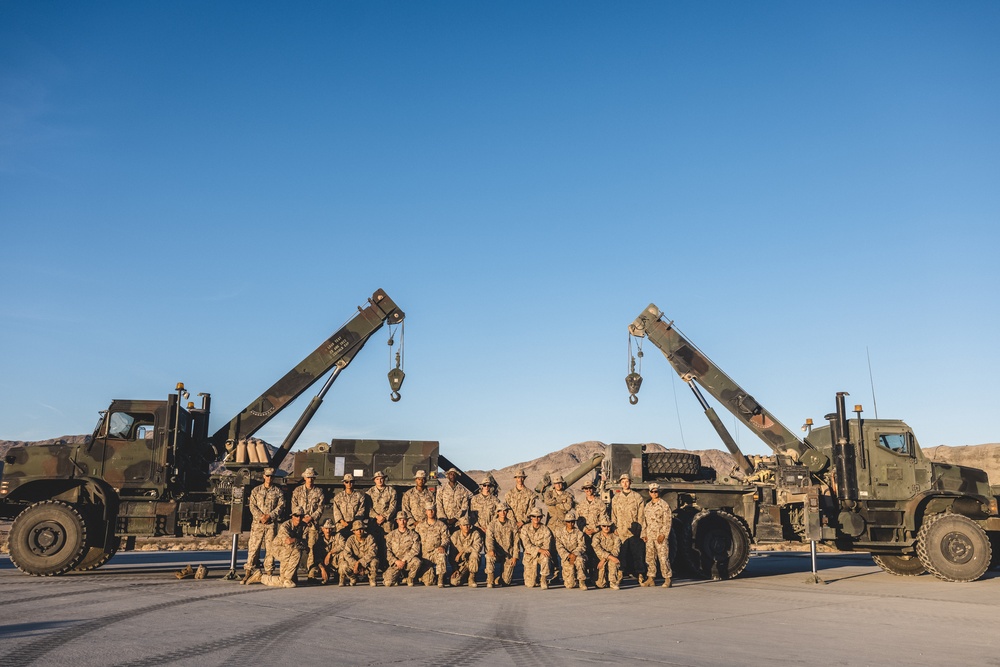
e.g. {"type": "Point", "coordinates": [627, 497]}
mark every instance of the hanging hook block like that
{"type": "Point", "coordinates": [633, 381]}
{"type": "Point", "coordinates": [396, 377]}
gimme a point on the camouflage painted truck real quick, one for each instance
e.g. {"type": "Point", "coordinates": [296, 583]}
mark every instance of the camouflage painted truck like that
{"type": "Point", "coordinates": [856, 484]}
{"type": "Point", "coordinates": [146, 469]}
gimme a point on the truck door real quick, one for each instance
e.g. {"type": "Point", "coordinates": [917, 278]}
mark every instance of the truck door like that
{"type": "Point", "coordinates": [129, 449]}
{"type": "Point", "coordinates": [892, 463]}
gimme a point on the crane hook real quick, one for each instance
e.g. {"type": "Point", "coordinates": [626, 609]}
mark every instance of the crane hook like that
{"type": "Point", "coordinates": [633, 399]}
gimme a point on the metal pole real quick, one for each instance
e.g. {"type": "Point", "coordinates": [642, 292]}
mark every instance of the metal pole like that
{"type": "Point", "coordinates": [232, 558]}
{"type": "Point", "coordinates": [814, 577]}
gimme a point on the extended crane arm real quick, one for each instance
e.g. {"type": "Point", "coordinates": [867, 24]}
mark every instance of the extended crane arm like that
{"type": "Point", "coordinates": [697, 369]}
{"type": "Point", "coordinates": [338, 350]}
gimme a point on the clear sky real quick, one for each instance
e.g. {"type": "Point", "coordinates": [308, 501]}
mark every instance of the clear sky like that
{"type": "Point", "coordinates": [203, 192]}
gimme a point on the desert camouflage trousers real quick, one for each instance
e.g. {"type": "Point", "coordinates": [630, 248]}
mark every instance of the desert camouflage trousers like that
{"type": "Point", "coordinates": [658, 552]}
{"type": "Point", "coordinates": [575, 572]}
{"type": "Point", "coordinates": [290, 558]}
{"type": "Point", "coordinates": [533, 567]}
{"type": "Point", "coordinates": [608, 572]}
{"type": "Point", "coordinates": [261, 534]}
{"type": "Point", "coordinates": [392, 573]}
{"type": "Point", "coordinates": [505, 561]}
{"type": "Point", "coordinates": [434, 566]}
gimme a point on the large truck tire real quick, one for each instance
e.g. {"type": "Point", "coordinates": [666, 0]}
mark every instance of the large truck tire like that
{"type": "Point", "coordinates": [901, 566]}
{"type": "Point", "coordinates": [668, 464]}
{"type": "Point", "coordinates": [953, 547]}
{"type": "Point", "coordinates": [719, 546]}
{"type": "Point", "coordinates": [48, 538]}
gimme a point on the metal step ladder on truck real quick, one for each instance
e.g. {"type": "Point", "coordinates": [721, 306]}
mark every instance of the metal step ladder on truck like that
{"type": "Point", "coordinates": [856, 484]}
{"type": "Point", "coordinates": [146, 469]}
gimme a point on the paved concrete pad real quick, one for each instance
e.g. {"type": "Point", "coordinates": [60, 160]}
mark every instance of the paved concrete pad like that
{"type": "Point", "coordinates": [134, 612]}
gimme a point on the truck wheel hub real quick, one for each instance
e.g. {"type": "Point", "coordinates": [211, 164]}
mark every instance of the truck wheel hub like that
{"type": "Point", "coordinates": [46, 538]}
{"type": "Point", "coordinates": [957, 548]}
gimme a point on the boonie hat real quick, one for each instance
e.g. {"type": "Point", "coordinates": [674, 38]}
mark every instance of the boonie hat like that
{"type": "Point", "coordinates": [309, 472]}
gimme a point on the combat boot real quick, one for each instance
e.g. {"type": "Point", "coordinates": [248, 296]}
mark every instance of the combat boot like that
{"type": "Point", "coordinates": [472, 582]}
{"type": "Point", "coordinates": [246, 576]}
{"type": "Point", "coordinates": [201, 572]}
{"type": "Point", "coordinates": [666, 583]}
{"type": "Point", "coordinates": [288, 584]}
{"type": "Point", "coordinates": [545, 584]}
{"type": "Point", "coordinates": [489, 582]}
{"type": "Point", "coordinates": [186, 573]}
{"type": "Point", "coordinates": [441, 581]}
{"type": "Point", "coordinates": [254, 578]}
{"type": "Point", "coordinates": [409, 581]}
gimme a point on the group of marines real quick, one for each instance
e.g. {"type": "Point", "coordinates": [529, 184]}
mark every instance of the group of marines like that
{"type": "Point", "coordinates": [423, 535]}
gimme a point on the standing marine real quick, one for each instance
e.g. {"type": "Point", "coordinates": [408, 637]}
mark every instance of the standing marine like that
{"type": "Point", "coordinates": [267, 502]}
{"type": "Point", "coordinates": [559, 500]}
{"type": "Point", "coordinates": [657, 519]}
{"type": "Point", "coordinates": [484, 505]}
{"type": "Point", "coordinates": [308, 500]}
{"type": "Point", "coordinates": [626, 515]}
{"type": "Point", "coordinates": [452, 500]}
{"type": "Point", "coordinates": [520, 500]}
{"type": "Point", "coordinates": [415, 499]}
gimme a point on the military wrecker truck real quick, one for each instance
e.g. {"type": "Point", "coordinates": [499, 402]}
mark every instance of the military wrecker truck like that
{"type": "Point", "coordinates": [147, 468]}
{"type": "Point", "coordinates": [856, 484]}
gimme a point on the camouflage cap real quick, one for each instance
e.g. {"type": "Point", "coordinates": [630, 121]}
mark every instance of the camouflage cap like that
{"type": "Point", "coordinates": [624, 475]}
{"type": "Point", "coordinates": [570, 516]}
{"type": "Point", "coordinates": [463, 520]}
{"type": "Point", "coordinates": [378, 473]}
{"type": "Point", "coordinates": [654, 487]}
{"type": "Point", "coordinates": [348, 477]}
{"type": "Point", "coordinates": [557, 479]}
{"type": "Point", "coordinates": [403, 515]}
{"type": "Point", "coordinates": [535, 512]}
{"type": "Point", "coordinates": [452, 470]}
{"type": "Point", "coordinates": [298, 513]}
{"type": "Point", "coordinates": [503, 507]}
{"type": "Point", "coordinates": [309, 472]}
{"type": "Point", "coordinates": [520, 473]}
{"type": "Point", "coordinates": [605, 521]}
{"type": "Point", "coordinates": [486, 481]}
{"type": "Point", "coordinates": [429, 506]}
{"type": "Point", "coordinates": [588, 485]}
{"type": "Point", "coordinates": [328, 524]}
{"type": "Point", "coordinates": [268, 472]}
{"type": "Point", "coordinates": [358, 525]}
{"type": "Point", "coordinates": [420, 474]}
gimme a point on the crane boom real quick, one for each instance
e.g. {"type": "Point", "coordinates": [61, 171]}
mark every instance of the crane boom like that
{"type": "Point", "coordinates": [697, 369]}
{"type": "Point", "coordinates": [337, 350]}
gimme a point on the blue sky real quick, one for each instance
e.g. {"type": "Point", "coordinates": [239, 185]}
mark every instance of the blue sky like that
{"type": "Point", "coordinates": [202, 192]}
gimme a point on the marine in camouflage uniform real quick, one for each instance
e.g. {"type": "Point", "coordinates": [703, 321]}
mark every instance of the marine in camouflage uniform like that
{"type": "Point", "coordinates": [559, 501]}
{"type": "Point", "coordinates": [484, 505]}
{"type": "Point", "coordinates": [402, 547]}
{"type": "Point", "coordinates": [467, 544]}
{"type": "Point", "coordinates": [590, 511]}
{"type": "Point", "coordinates": [415, 499]}
{"type": "Point", "coordinates": [267, 502]}
{"type": "Point", "coordinates": [572, 552]}
{"type": "Point", "coordinates": [608, 547]}
{"type": "Point", "coordinates": [452, 500]}
{"type": "Point", "coordinates": [358, 557]}
{"type": "Point", "coordinates": [536, 539]}
{"type": "Point", "coordinates": [383, 502]}
{"type": "Point", "coordinates": [657, 518]}
{"type": "Point", "coordinates": [349, 505]}
{"type": "Point", "coordinates": [626, 515]}
{"type": "Point", "coordinates": [329, 548]}
{"type": "Point", "coordinates": [520, 500]}
{"type": "Point", "coordinates": [287, 545]}
{"type": "Point", "coordinates": [434, 543]}
{"type": "Point", "coordinates": [309, 499]}
{"type": "Point", "coordinates": [501, 548]}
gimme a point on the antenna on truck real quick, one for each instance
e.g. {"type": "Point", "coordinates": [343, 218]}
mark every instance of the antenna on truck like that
{"type": "Point", "coordinates": [871, 379]}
